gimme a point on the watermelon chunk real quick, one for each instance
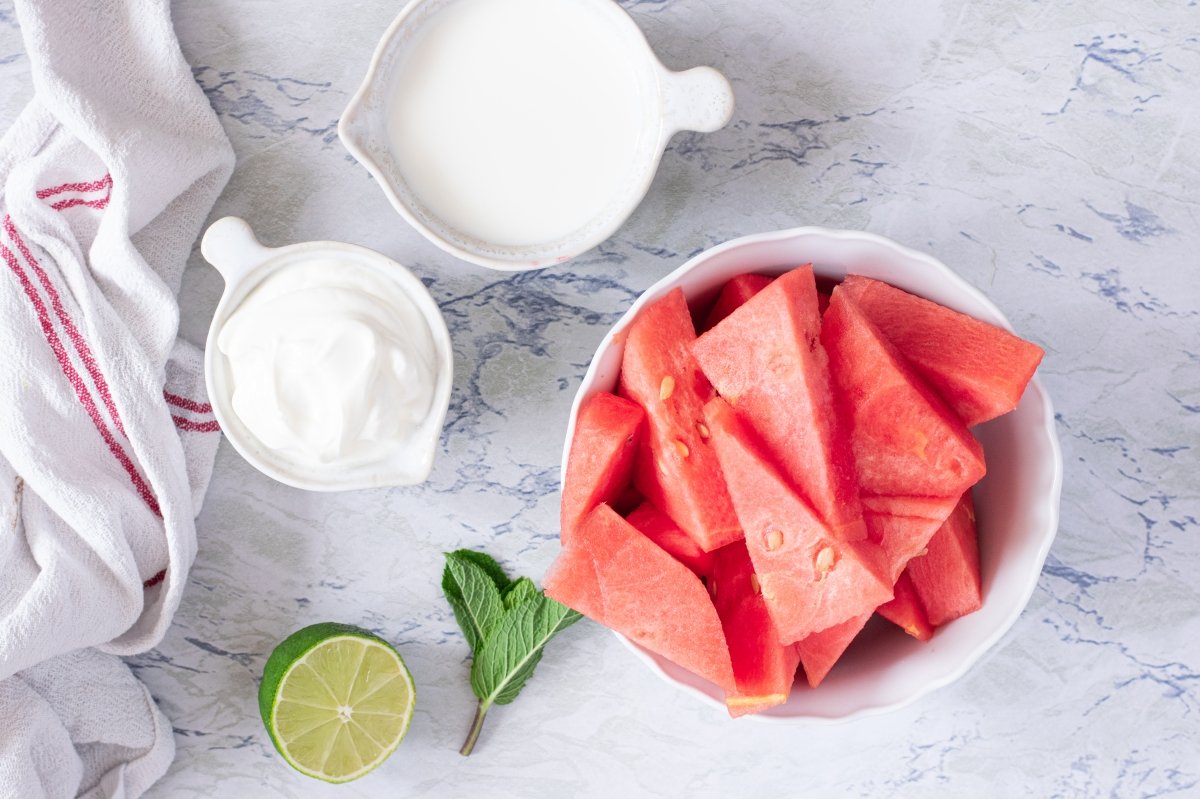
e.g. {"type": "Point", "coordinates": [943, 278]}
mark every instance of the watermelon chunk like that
{"type": "Point", "coordinates": [903, 526]}
{"type": "Point", "coordinates": [763, 667]}
{"type": "Point", "coordinates": [946, 578]}
{"type": "Point", "coordinates": [733, 294]}
{"type": "Point", "coordinates": [810, 578]}
{"type": "Point", "coordinates": [615, 575]}
{"type": "Point", "coordinates": [658, 527]}
{"type": "Point", "coordinates": [905, 440]}
{"type": "Point", "coordinates": [677, 469]}
{"type": "Point", "coordinates": [766, 359]}
{"type": "Point", "coordinates": [980, 370]}
{"type": "Point", "coordinates": [820, 651]}
{"type": "Point", "coordinates": [905, 610]}
{"type": "Point", "coordinates": [608, 433]}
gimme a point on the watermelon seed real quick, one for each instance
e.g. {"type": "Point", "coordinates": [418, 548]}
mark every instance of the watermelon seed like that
{"type": "Point", "coordinates": [826, 559]}
{"type": "Point", "coordinates": [773, 540]}
{"type": "Point", "coordinates": [666, 388]}
{"type": "Point", "coordinates": [922, 440]}
{"type": "Point", "coordinates": [755, 585]}
{"type": "Point", "coordinates": [682, 448]}
{"type": "Point", "coordinates": [702, 429]}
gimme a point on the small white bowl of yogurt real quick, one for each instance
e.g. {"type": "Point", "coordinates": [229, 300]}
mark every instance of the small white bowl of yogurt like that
{"type": "Point", "coordinates": [329, 366]}
{"type": "Point", "coordinates": [517, 134]}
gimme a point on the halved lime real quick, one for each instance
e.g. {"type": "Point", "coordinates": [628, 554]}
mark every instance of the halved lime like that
{"type": "Point", "coordinates": [336, 700]}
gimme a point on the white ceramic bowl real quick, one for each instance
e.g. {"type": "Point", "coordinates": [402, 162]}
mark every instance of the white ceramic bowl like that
{"type": "Point", "coordinates": [1016, 503]}
{"type": "Point", "coordinates": [666, 102]}
{"type": "Point", "coordinates": [230, 246]}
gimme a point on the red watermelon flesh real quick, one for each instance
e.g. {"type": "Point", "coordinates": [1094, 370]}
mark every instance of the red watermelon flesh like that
{"type": "Point", "coordinates": [810, 578]}
{"type": "Point", "coordinates": [763, 666]}
{"type": "Point", "coordinates": [935, 509]}
{"type": "Point", "coordinates": [980, 370]}
{"type": "Point", "coordinates": [608, 432]}
{"type": "Point", "coordinates": [658, 527]}
{"type": "Point", "coordinates": [767, 361]}
{"type": "Point", "coordinates": [905, 610]}
{"type": "Point", "coordinates": [677, 469]}
{"type": "Point", "coordinates": [628, 499]}
{"type": "Point", "coordinates": [946, 578]}
{"type": "Point", "coordinates": [905, 440]}
{"type": "Point", "coordinates": [819, 651]}
{"type": "Point", "coordinates": [615, 575]}
{"type": "Point", "coordinates": [733, 294]}
{"type": "Point", "coordinates": [903, 526]}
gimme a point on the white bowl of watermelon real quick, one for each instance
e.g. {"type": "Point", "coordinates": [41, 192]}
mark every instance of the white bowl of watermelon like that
{"type": "Point", "coordinates": [831, 502]}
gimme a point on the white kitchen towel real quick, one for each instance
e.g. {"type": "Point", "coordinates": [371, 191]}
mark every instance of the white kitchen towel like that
{"type": "Point", "coordinates": [85, 727]}
{"type": "Point", "coordinates": [106, 438]}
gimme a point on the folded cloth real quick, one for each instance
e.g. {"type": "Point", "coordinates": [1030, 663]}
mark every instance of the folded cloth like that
{"type": "Point", "coordinates": [85, 726]}
{"type": "Point", "coordinates": [106, 439]}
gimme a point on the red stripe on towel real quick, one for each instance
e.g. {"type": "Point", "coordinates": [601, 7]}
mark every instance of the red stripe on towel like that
{"type": "Point", "coordinates": [81, 347]}
{"type": "Point", "coordinates": [155, 580]}
{"type": "Point", "coordinates": [71, 202]}
{"type": "Point", "coordinates": [95, 185]}
{"type": "Point", "coordinates": [187, 404]}
{"type": "Point", "coordinates": [73, 377]}
{"type": "Point", "coordinates": [195, 427]}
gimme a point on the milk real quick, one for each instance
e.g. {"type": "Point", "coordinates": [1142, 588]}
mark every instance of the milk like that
{"type": "Point", "coordinates": [518, 122]}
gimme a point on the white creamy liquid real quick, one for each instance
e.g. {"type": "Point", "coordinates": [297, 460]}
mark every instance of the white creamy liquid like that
{"type": "Point", "coordinates": [331, 362]}
{"type": "Point", "coordinates": [518, 121]}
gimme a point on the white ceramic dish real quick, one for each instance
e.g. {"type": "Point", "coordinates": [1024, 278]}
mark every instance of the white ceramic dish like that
{"type": "Point", "coordinates": [662, 103]}
{"type": "Point", "coordinates": [1016, 504]}
{"type": "Point", "coordinates": [230, 246]}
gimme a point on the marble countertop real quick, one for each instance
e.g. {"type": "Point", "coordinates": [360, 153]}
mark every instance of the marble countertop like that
{"type": "Point", "coordinates": [1048, 152]}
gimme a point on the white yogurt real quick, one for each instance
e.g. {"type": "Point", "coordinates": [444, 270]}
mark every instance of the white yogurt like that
{"type": "Point", "coordinates": [518, 121]}
{"type": "Point", "coordinates": [331, 362]}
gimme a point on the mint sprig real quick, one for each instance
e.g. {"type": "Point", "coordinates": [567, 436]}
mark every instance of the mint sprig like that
{"type": "Point", "coordinates": [507, 625]}
{"type": "Point", "coordinates": [518, 592]}
{"type": "Point", "coordinates": [486, 562]}
{"type": "Point", "coordinates": [474, 596]}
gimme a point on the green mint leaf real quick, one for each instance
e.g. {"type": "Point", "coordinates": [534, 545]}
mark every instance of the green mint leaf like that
{"type": "Point", "coordinates": [485, 562]}
{"type": "Point", "coordinates": [473, 597]}
{"type": "Point", "coordinates": [518, 593]}
{"type": "Point", "coordinates": [511, 652]}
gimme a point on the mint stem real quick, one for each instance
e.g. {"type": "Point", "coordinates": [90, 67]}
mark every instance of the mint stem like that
{"type": "Point", "coordinates": [481, 711]}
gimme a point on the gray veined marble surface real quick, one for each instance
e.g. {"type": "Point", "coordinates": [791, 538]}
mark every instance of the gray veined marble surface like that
{"type": "Point", "coordinates": [1047, 151]}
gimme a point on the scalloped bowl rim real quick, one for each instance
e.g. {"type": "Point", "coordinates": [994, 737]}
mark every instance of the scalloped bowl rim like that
{"type": "Point", "coordinates": [1050, 489]}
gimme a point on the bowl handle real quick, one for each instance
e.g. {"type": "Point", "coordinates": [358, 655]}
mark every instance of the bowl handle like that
{"type": "Point", "coordinates": [698, 99]}
{"type": "Point", "coordinates": [231, 247]}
